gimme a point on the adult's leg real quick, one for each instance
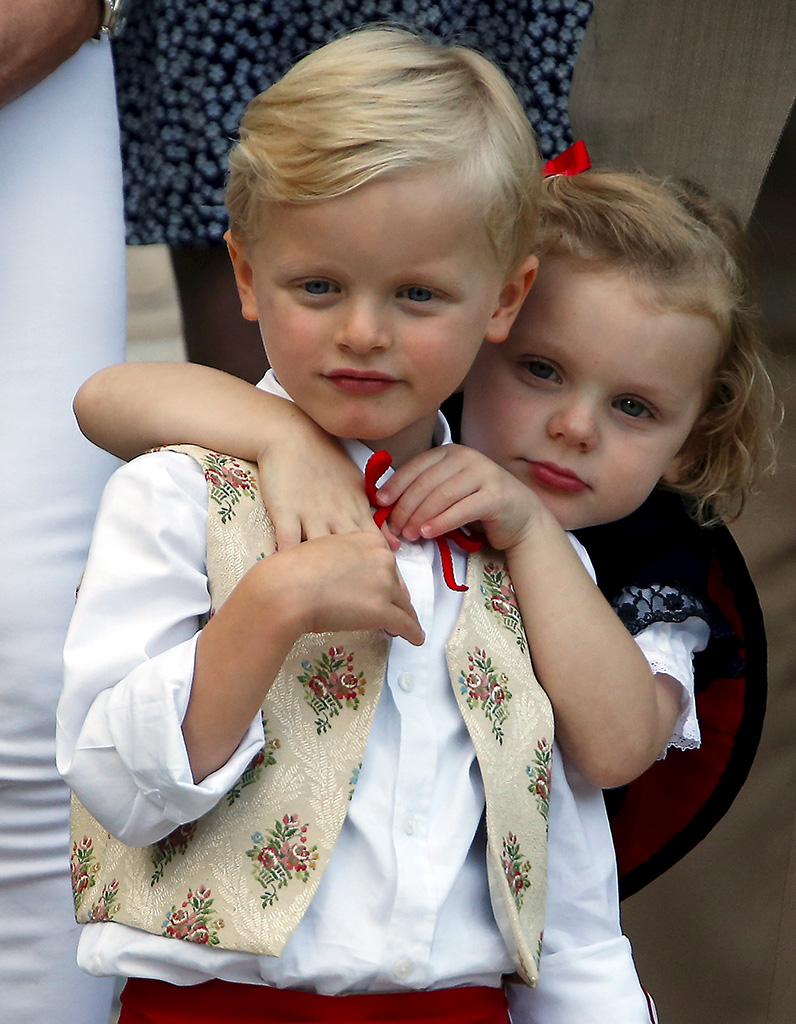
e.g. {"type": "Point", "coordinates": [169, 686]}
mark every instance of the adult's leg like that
{"type": "Point", "coordinates": [214, 329]}
{"type": "Point", "coordinates": [704, 90]}
{"type": "Point", "coordinates": [701, 90]}
{"type": "Point", "coordinates": [62, 316]}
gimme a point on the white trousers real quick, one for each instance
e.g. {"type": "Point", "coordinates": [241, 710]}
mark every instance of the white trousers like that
{"type": "Point", "coordinates": [62, 316]}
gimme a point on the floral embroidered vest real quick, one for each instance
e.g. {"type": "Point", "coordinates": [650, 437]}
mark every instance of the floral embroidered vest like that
{"type": "Point", "coordinates": [242, 876]}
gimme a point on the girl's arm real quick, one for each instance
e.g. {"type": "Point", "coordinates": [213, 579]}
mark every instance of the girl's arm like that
{"type": "Point", "coordinates": [309, 484]}
{"type": "Point", "coordinates": [614, 717]}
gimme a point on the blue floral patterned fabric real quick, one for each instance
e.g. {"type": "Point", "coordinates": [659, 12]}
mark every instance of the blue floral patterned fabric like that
{"type": "Point", "coordinates": [185, 69]}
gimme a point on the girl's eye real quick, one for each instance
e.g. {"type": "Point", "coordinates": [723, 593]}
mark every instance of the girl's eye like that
{"type": "Point", "coordinates": [416, 294]}
{"type": "Point", "coordinates": [632, 407]}
{"type": "Point", "coordinates": [539, 368]}
{"type": "Point", "coordinates": [317, 287]}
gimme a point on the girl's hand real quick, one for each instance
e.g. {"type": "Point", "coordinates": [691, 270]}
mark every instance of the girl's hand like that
{"type": "Point", "coordinates": [451, 486]}
{"type": "Point", "coordinates": [310, 487]}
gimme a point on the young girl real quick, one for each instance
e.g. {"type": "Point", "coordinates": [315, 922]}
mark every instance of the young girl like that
{"type": "Point", "coordinates": [635, 362]}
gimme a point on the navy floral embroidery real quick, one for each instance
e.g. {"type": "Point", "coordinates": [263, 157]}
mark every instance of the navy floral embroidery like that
{"type": "Point", "coordinates": [639, 607]}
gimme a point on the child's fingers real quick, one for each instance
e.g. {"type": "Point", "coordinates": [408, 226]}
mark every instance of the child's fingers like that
{"type": "Point", "coordinates": [342, 521]}
{"type": "Point", "coordinates": [404, 621]}
{"type": "Point", "coordinates": [404, 476]}
{"type": "Point", "coordinates": [422, 477]}
{"type": "Point", "coordinates": [461, 513]}
{"type": "Point", "coordinates": [423, 504]}
{"type": "Point", "coordinates": [393, 542]}
{"type": "Point", "coordinates": [288, 530]}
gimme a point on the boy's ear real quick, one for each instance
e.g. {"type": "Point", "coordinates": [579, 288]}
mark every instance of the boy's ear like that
{"type": "Point", "coordinates": [512, 295]}
{"type": "Point", "coordinates": [244, 276]}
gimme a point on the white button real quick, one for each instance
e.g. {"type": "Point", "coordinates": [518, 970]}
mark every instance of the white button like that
{"type": "Point", "coordinates": [403, 969]}
{"type": "Point", "coordinates": [406, 681]}
{"type": "Point", "coordinates": [410, 824]}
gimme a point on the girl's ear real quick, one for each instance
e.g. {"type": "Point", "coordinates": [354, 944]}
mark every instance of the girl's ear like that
{"type": "Point", "coordinates": [512, 295]}
{"type": "Point", "coordinates": [674, 470]}
{"type": "Point", "coordinates": [244, 276]}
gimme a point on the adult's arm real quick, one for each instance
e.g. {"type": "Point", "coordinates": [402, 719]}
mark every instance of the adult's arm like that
{"type": "Point", "coordinates": [38, 35]}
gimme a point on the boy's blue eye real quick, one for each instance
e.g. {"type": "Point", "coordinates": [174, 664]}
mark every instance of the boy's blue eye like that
{"type": "Point", "coordinates": [542, 370]}
{"type": "Point", "coordinates": [632, 407]}
{"type": "Point", "coordinates": [319, 287]}
{"type": "Point", "coordinates": [416, 294]}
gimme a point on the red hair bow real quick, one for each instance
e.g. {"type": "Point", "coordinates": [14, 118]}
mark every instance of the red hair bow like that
{"type": "Point", "coordinates": [377, 466]}
{"type": "Point", "coordinates": [572, 161]}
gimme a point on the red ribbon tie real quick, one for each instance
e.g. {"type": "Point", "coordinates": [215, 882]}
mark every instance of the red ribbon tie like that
{"type": "Point", "coordinates": [376, 467]}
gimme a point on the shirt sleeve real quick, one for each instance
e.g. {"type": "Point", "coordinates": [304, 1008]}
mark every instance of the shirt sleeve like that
{"type": "Point", "coordinates": [669, 648]}
{"type": "Point", "coordinates": [129, 656]}
{"type": "Point", "coordinates": [583, 555]}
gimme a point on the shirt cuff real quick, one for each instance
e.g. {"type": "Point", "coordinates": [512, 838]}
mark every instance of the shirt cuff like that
{"type": "Point", "coordinates": [140, 719]}
{"type": "Point", "coordinates": [669, 648]}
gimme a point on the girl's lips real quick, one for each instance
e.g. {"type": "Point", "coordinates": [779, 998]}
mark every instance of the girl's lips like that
{"type": "Point", "coordinates": [361, 382]}
{"type": "Point", "coordinates": [551, 475]}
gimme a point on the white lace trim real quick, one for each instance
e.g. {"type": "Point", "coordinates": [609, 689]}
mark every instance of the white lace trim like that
{"type": "Point", "coordinates": [669, 648]}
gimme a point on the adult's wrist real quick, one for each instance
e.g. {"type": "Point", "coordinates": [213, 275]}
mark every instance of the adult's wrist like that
{"type": "Point", "coordinates": [36, 36]}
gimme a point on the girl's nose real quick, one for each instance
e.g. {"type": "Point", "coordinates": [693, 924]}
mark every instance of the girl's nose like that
{"type": "Point", "coordinates": [361, 329]}
{"type": "Point", "coordinates": [574, 423]}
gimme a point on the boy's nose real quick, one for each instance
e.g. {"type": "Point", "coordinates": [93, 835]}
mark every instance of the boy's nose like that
{"type": "Point", "coordinates": [362, 330]}
{"type": "Point", "coordinates": [575, 424]}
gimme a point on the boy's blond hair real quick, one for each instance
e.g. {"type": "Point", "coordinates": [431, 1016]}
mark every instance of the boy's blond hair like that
{"type": "Point", "coordinates": [380, 101]}
{"type": "Point", "coordinates": [686, 251]}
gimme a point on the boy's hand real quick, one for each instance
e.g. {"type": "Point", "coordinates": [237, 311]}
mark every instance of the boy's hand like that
{"type": "Point", "coordinates": [349, 582]}
{"type": "Point", "coordinates": [451, 486]}
{"type": "Point", "coordinates": [312, 488]}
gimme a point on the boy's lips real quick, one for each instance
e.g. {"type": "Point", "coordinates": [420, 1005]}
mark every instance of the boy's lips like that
{"type": "Point", "coordinates": [361, 382]}
{"type": "Point", "coordinates": [551, 475]}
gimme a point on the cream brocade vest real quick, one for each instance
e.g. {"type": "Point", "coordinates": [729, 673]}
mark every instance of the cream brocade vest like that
{"type": "Point", "coordinates": [242, 876]}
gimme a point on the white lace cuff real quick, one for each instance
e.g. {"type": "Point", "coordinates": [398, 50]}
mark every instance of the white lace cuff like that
{"type": "Point", "coordinates": [669, 648]}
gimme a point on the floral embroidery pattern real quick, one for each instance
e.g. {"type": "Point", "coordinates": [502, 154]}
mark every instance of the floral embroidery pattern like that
{"type": "Point", "coordinates": [281, 855]}
{"type": "Point", "coordinates": [262, 759]}
{"type": "Point", "coordinates": [330, 684]}
{"type": "Point", "coordinates": [354, 780]}
{"type": "Point", "coordinates": [516, 868]}
{"type": "Point", "coordinates": [193, 920]}
{"type": "Point", "coordinates": [164, 850]}
{"type": "Point", "coordinates": [106, 906]}
{"type": "Point", "coordinates": [482, 685]}
{"type": "Point", "coordinates": [83, 867]}
{"type": "Point", "coordinates": [498, 591]}
{"type": "Point", "coordinates": [227, 482]}
{"type": "Point", "coordinates": [540, 774]}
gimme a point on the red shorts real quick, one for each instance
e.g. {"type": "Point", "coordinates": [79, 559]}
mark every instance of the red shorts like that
{"type": "Point", "coordinates": [224, 1002]}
